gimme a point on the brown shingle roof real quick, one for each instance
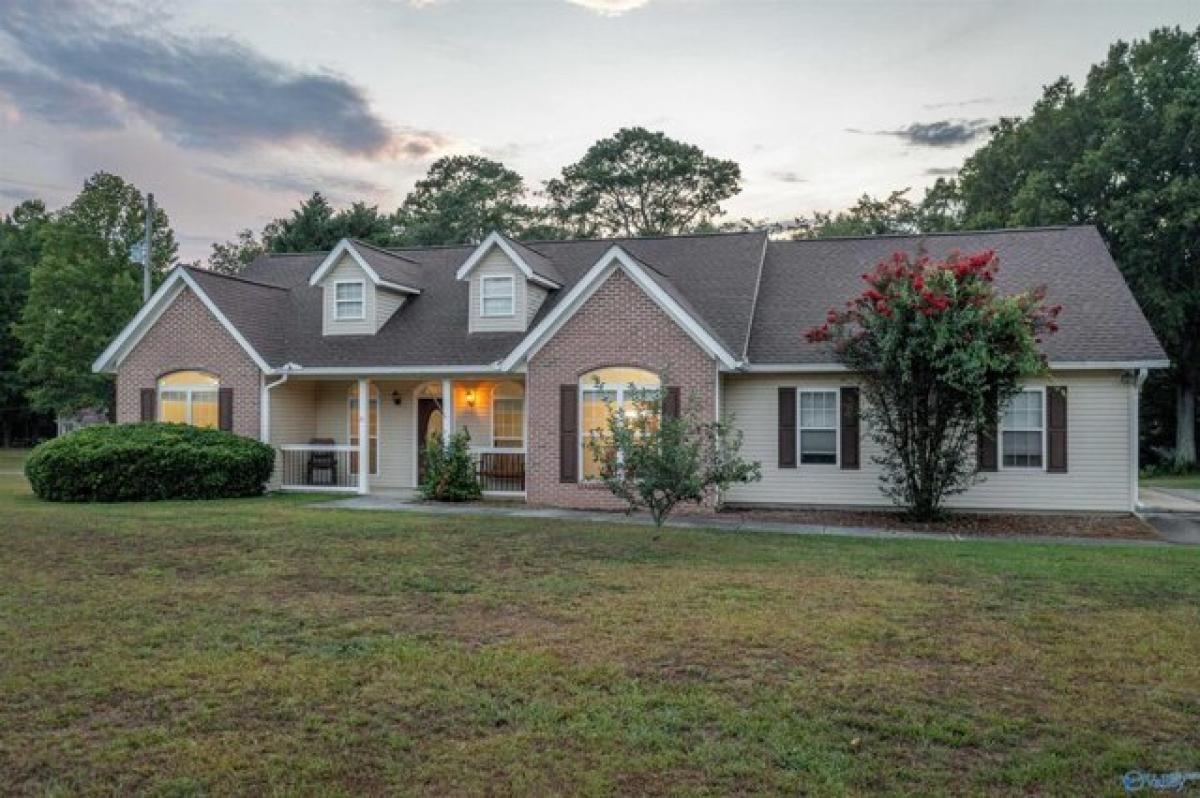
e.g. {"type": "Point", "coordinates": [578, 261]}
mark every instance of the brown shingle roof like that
{"type": "Point", "coordinates": [714, 277]}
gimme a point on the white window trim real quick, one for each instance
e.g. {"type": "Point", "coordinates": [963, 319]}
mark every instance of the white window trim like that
{"type": "Point", "coordinates": [619, 389]}
{"type": "Point", "coordinates": [837, 425]}
{"type": "Point", "coordinates": [524, 418]}
{"type": "Point", "coordinates": [1001, 429]}
{"type": "Point", "coordinates": [483, 295]}
{"type": "Point", "coordinates": [361, 301]}
{"type": "Point", "coordinates": [352, 432]}
{"type": "Point", "coordinates": [189, 390]}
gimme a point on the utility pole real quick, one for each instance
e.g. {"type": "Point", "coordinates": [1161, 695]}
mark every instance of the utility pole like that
{"type": "Point", "coordinates": [146, 248]}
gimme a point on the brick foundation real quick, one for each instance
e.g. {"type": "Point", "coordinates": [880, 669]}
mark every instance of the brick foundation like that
{"type": "Point", "coordinates": [618, 326]}
{"type": "Point", "coordinates": [188, 336]}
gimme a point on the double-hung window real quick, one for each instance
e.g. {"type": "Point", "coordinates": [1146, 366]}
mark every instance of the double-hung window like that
{"type": "Point", "coordinates": [818, 427]}
{"type": "Point", "coordinates": [497, 296]}
{"type": "Point", "coordinates": [348, 301]}
{"type": "Point", "coordinates": [189, 397]}
{"type": "Point", "coordinates": [508, 416]}
{"type": "Point", "coordinates": [1023, 430]}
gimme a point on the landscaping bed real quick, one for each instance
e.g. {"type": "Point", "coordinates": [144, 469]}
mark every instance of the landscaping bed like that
{"type": "Point", "coordinates": [1108, 526]}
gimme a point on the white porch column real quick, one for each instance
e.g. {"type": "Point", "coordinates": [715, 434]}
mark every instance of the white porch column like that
{"type": "Point", "coordinates": [364, 435]}
{"type": "Point", "coordinates": [447, 410]}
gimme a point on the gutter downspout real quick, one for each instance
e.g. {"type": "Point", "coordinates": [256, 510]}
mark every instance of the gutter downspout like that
{"type": "Point", "coordinates": [264, 415]}
{"type": "Point", "coordinates": [1135, 436]}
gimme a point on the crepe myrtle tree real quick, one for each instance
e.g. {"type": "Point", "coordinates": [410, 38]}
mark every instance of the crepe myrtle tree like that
{"type": "Point", "coordinates": [655, 457]}
{"type": "Point", "coordinates": [939, 352]}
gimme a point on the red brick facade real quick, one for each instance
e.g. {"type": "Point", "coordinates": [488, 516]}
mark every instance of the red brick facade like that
{"type": "Point", "coordinates": [188, 336]}
{"type": "Point", "coordinates": [619, 325]}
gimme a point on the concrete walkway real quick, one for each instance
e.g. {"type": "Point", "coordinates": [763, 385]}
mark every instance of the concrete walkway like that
{"type": "Point", "coordinates": [516, 510]}
{"type": "Point", "coordinates": [1173, 512]}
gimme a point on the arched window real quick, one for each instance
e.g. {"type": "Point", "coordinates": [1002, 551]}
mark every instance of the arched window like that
{"type": "Point", "coordinates": [372, 427]}
{"type": "Point", "coordinates": [189, 397]}
{"type": "Point", "coordinates": [596, 390]}
{"type": "Point", "coordinates": [508, 416]}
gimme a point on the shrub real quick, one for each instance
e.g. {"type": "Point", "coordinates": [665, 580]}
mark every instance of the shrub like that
{"type": "Point", "coordinates": [450, 471]}
{"type": "Point", "coordinates": [140, 462]}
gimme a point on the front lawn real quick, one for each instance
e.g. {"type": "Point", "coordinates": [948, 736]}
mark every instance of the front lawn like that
{"type": "Point", "coordinates": [264, 646]}
{"type": "Point", "coordinates": [1186, 481]}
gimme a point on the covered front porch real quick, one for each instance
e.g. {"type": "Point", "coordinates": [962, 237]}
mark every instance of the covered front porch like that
{"type": "Point", "coordinates": [325, 427]}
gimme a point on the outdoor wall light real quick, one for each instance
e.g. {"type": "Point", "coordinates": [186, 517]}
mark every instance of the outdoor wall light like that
{"type": "Point", "coordinates": [396, 398]}
{"type": "Point", "coordinates": [470, 397]}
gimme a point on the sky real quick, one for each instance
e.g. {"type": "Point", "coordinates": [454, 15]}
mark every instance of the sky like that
{"type": "Point", "coordinates": [233, 111]}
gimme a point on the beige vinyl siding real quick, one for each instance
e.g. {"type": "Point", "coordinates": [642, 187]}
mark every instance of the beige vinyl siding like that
{"type": "Point", "coordinates": [386, 305]}
{"type": "Point", "coordinates": [1098, 452]}
{"type": "Point", "coordinates": [397, 427]}
{"type": "Point", "coordinates": [347, 269]}
{"type": "Point", "coordinates": [536, 296]}
{"type": "Point", "coordinates": [293, 416]}
{"type": "Point", "coordinates": [497, 264]}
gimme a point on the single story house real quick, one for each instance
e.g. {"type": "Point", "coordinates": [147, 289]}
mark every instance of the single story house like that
{"type": "Point", "coordinates": [349, 361]}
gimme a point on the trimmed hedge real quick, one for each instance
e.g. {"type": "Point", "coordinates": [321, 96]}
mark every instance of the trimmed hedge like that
{"type": "Point", "coordinates": [142, 462]}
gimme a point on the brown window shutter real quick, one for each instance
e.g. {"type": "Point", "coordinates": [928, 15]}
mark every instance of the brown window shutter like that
{"type": "Point", "coordinates": [671, 407]}
{"type": "Point", "coordinates": [986, 451]}
{"type": "Point", "coordinates": [849, 419]}
{"type": "Point", "coordinates": [1056, 429]}
{"type": "Point", "coordinates": [568, 433]}
{"type": "Point", "coordinates": [787, 427]}
{"type": "Point", "coordinates": [225, 409]}
{"type": "Point", "coordinates": [149, 402]}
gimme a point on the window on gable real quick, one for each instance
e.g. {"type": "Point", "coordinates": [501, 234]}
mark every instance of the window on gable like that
{"type": "Point", "coordinates": [348, 301]}
{"type": "Point", "coordinates": [1023, 431]}
{"type": "Point", "coordinates": [818, 426]}
{"type": "Point", "coordinates": [497, 296]}
{"type": "Point", "coordinates": [619, 387]}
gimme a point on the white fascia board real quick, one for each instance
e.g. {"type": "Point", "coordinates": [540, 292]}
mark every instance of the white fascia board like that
{"type": "Point", "coordinates": [613, 259]}
{"type": "Point", "coordinates": [386, 371]}
{"type": "Point", "coordinates": [171, 288]}
{"type": "Point", "coordinates": [494, 239]}
{"type": "Point", "coordinates": [144, 319]}
{"type": "Point", "coordinates": [1059, 365]}
{"type": "Point", "coordinates": [346, 247]}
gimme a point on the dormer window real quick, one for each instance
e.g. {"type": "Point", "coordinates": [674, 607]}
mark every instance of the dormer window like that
{"type": "Point", "coordinates": [497, 296]}
{"type": "Point", "coordinates": [349, 301]}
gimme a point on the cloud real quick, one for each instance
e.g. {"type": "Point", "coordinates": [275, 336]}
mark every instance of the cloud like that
{"type": "Point", "coordinates": [610, 8]}
{"type": "Point", "coordinates": [788, 177]}
{"type": "Point", "coordinates": [942, 133]}
{"type": "Point", "coordinates": [290, 182]}
{"type": "Point", "coordinates": [86, 68]}
{"type": "Point", "coordinates": [959, 103]}
{"type": "Point", "coordinates": [941, 171]}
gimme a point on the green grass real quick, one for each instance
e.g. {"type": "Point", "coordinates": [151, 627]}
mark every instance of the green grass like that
{"type": "Point", "coordinates": [1187, 481]}
{"type": "Point", "coordinates": [12, 459]}
{"type": "Point", "coordinates": [265, 646]}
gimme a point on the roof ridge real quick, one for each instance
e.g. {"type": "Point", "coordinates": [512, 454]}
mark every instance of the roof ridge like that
{"type": "Point", "coordinates": [381, 250]}
{"type": "Point", "coordinates": [932, 233]}
{"type": "Point", "coordinates": [236, 277]}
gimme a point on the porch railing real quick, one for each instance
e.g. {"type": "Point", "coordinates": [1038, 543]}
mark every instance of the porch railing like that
{"type": "Point", "coordinates": [500, 470]}
{"type": "Point", "coordinates": [318, 466]}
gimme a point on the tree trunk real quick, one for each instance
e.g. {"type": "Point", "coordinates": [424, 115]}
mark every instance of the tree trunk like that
{"type": "Point", "coordinates": [1185, 424]}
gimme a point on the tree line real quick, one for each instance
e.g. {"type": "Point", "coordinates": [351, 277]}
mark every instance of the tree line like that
{"type": "Point", "coordinates": [1121, 151]}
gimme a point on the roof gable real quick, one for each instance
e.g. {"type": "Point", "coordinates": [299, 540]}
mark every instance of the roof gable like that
{"type": "Point", "coordinates": [536, 267]}
{"type": "Point", "coordinates": [656, 286]}
{"type": "Point", "coordinates": [384, 268]}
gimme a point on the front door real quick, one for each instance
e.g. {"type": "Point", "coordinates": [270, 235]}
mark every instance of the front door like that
{"type": "Point", "coordinates": [429, 429]}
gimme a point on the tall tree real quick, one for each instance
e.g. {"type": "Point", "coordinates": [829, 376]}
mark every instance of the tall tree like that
{"type": "Point", "coordinates": [870, 216]}
{"type": "Point", "coordinates": [461, 199]}
{"type": "Point", "coordinates": [1122, 153]}
{"type": "Point", "coordinates": [83, 290]}
{"type": "Point", "coordinates": [230, 257]}
{"type": "Point", "coordinates": [640, 182]}
{"type": "Point", "coordinates": [20, 246]}
{"type": "Point", "coordinates": [316, 226]}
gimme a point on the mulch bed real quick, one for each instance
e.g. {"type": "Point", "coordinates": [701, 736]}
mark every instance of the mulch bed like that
{"type": "Point", "coordinates": [969, 524]}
